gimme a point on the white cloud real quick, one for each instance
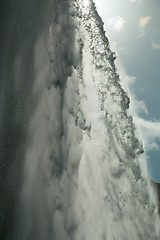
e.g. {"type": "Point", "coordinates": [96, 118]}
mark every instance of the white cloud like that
{"type": "Point", "coordinates": [143, 21]}
{"type": "Point", "coordinates": [150, 132]}
{"type": "Point", "coordinates": [117, 23]}
{"type": "Point", "coordinates": [155, 45]}
{"type": "Point", "coordinates": [147, 130]}
{"type": "Point", "coordinates": [141, 107]}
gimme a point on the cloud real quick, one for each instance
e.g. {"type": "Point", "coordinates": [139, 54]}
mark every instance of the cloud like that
{"type": "Point", "coordinates": [148, 131]}
{"type": "Point", "coordinates": [141, 107]}
{"type": "Point", "coordinates": [143, 21]}
{"type": "Point", "coordinates": [117, 23]}
{"type": "Point", "coordinates": [155, 45]}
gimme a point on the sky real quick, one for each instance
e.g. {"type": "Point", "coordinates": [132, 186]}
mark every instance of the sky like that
{"type": "Point", "coordinates": [133, 29]}
{"type": "Point", "coordinates": [63, 176]}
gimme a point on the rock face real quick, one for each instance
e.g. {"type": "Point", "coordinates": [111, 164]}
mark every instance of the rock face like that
{"type": "Point", "coordinates": [68, 150]}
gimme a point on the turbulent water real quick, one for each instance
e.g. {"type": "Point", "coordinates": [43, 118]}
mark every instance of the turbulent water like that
{"type": "Point", "coordinates": [68, 150]}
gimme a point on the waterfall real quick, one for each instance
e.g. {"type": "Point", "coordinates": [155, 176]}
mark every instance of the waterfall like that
{"type": "Point", "coordinates": [69, 153]}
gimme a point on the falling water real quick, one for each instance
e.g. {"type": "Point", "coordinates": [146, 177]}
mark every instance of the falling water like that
{"type": "Point", "coordinates": [69, 155]}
